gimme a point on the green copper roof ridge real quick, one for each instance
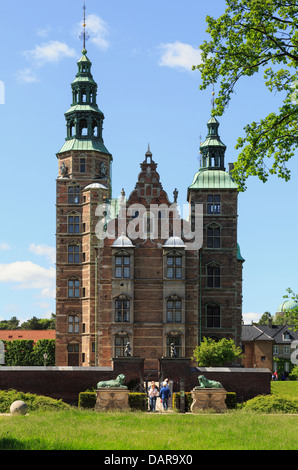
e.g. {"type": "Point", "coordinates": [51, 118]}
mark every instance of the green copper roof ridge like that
{"type": "Point", "coordinates": [206, 178]}
{"type": "Point", "coordinates": [84, 146]}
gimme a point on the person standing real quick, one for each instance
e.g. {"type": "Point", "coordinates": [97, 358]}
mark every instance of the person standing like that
{"type": "Point", "coordinates": [165, 394]}
{"type": "Point", "coordinates": [152, 393]}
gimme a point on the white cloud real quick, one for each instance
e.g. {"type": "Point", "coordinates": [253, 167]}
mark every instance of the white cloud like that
{"type": "Point", "coordinates": [49, 52]}
{"type": "Point", "coordinates": [28, 275]}
{"type": "Point", "coordinates": [44, 250]}
{"type": "Point", "coordinates": [4, 246]}
{"type": "Point", "coordinates": [179, 55]}
{"type": "Point", "coordinates": [26, 76]}
{"type": "Point", "coordinates": [98, 30]}
{"type": "Point", "coordinates": [43, 32]}
{"type": "Point", "coordinates": [251, 317]}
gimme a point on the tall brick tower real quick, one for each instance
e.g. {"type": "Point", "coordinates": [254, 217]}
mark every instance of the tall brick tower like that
{"type": "Point", "coordinates": [220, 263]}
{"type": "Point", "coordinates": [83, 182]}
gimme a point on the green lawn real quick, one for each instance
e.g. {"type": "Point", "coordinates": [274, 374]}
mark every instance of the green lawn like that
{"type": "Point", "coordinates": [74, 429]}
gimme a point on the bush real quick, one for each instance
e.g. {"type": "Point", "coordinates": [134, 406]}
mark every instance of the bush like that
{"type": "Point", "coordinates": [294, 373]}
{"type": "Point", "coordinates": [176, 401]}
{"type": "Point", "coordinates": [138, 401]}
{"type": "Point", "coordinates": [34, 402]}
{"type": "Point", "coordinates": [271, 404]}
{"type": "Point", "coordinates": [87, 400]}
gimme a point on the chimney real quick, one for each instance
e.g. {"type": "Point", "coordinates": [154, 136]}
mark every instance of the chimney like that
{"type": "Point", "coordinates": [231, 167]}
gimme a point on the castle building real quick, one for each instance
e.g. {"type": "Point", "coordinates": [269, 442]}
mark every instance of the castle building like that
{"type": "Point", "coordinates": [140, 288]}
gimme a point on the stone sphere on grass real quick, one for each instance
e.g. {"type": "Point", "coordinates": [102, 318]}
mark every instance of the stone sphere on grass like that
{"type": "Point", "coordinates": [18, 407]}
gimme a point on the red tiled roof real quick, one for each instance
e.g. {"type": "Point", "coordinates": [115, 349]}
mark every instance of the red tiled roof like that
{"type": "Point", "coordinates": [35, 335]}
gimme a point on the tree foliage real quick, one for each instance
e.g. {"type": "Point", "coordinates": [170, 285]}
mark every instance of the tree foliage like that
{"type": "Point", "coordinates": [31, 324]}
{"type": "Point", "coordinates": [211, 353]}
{"type": "Point", "coordinates": [255, 35]}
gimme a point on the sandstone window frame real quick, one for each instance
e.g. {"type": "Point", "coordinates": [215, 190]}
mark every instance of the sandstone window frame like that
{"type": "Point", "coordinates": [74, 287]}
{"type": "Point", "coordinates": [122, 339]}
{"type": "Point", "coordinates": [74, 194]}
{"type": "Point", "coordinates": [174, 311]}
{"type": "Point", "coordinates": [122, 265]}
{"type": "Point", "coordinates": [73, 223]}
{"type": "Point", "coordinates": [73, 323]}
{"type": "Point", "coordinates": [177, 339]}
{"type": "Point", "coordinates": [122, 312]}
{"type": "Point", "coordinates": [74, 251]}
{"type": "Point", "coordinates": [174, 265]}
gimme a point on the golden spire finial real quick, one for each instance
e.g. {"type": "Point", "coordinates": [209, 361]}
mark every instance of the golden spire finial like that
{"type": "Point", "coordinates": [84, 35]}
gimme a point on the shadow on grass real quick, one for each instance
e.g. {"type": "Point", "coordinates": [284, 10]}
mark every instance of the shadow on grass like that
{"type": "Point", "coordinates": [10, 443]}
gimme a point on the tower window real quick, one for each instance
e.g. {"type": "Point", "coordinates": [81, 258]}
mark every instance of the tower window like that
{"type": "Point", "coordinates": [213, 204]}
{"type": "Point", "coordinates": [73, 224]}
{"type": "Point", "coordinates": [73, 289]}
{"type": "Point", "coordinates": [82, 165]}
{"type": "Point", "coordinates": [122, 310]}
{"type": "Point", "coordinates": [122, 267]}
{"type": "Point", "coordinates": [73, 254]}
{"type": "Point", "coordinates": [74, 195]}
{"type": "Point", "coordinates": [73, 324]}
{"type": "Point", "coordinates": [174, 267]}
{"type": "Point", "coordinates": [213, 316]}
{"type": "Point", "coordinates": [213, 276]}
{"type": "Point", "coordinates": [213, 237]}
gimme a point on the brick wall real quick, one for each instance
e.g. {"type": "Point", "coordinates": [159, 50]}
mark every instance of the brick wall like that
{"type": "Point", "coordinates": [67, 382]}
{"type": "Point", "coordinates": [246, 383]}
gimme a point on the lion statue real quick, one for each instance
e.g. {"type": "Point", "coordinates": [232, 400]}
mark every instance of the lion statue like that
{"type": "Point", "coordinates": [118, 382]}
{"type": "Point", "coordinates": [206, 383]}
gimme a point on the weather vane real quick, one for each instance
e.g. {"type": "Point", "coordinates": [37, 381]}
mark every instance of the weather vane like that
{"type": "Point", "coordinates": [84, 34]}
{"type": "Point", "coordinates": [212, 100]}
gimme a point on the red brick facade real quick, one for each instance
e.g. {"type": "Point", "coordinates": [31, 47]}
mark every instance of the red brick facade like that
{"type": "Point", "coordinates": [150, 291]}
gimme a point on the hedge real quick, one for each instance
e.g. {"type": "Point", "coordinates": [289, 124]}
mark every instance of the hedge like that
{"type": "Point", "coordinates": [25, 353]}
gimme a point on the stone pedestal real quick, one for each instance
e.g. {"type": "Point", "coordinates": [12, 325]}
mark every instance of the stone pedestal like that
{"type": "Point", "coordinates": [111, 399]}
{"type": "Point", "coordinates": [208, 398]}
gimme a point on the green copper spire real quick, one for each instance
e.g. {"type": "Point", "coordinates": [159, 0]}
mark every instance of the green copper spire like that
{"type": "Point", "coordinates": [213, 150]}
{"type": "Point", "coordinates": [84, 120]}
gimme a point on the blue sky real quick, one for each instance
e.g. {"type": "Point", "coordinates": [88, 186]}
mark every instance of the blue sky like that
{"type": "Point", "coordinates": [142, 53]}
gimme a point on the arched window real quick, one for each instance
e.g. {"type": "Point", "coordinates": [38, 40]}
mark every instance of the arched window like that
{"type": "Point", "coordinates": [83, 128]}
{"type": "Point", "coordinates": [174, 309]}
{"type": "Point", "coordinates": [122, 309]}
